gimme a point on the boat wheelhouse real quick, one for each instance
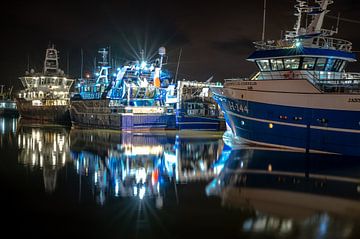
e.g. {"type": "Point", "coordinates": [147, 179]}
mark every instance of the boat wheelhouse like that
{"type": "Point", "coordinates": [301, 98]}
{"type": "Point", "coordinates": [45, 95]}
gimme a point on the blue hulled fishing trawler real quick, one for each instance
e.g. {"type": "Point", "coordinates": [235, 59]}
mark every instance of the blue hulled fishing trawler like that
{"type": "Point", "coordinates": [135, 100]}
{"type": "Point", "coordinates": [301, 98]}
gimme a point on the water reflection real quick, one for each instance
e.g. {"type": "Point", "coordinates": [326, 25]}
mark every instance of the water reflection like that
{"type": "Point", "coordinates": [198, 183]}
{"type": "Point", "coordinates": [142, 164]}
{"type": "Point", "coordinates": [283, 193]}
{"type": "Point", "coordinates": [7, 131]}
{"type": "Point", "coordinates": [45, 148]}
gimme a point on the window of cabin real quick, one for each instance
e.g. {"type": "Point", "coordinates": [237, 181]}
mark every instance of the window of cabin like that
{"type": "Point", "coordinates": [330, 64]}
{"type": "Point", "coordinates": [337, 65]}
{"type": "Point", "coordinates": [277, 64]}
{"type": "Point", "coordinates": [280, 64]}
{"type": "Point", "coordinates": [343, 65]}
{"type": "Point", "coordinates": [273, 65]}
{"type": "Point", "coordinates": [264, 65]}
{"type": "Point", "coordinates": [292, 63]}
{"type": "Point", "coordinates": [308, 63]}
{"type": "Point", "coordinates": [320, 64]}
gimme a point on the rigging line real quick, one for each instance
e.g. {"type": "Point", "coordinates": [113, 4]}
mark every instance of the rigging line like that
{"type": "Point", "coordinates": [178, 63]}
{"type": "Point", "coordinates": [344, 19]}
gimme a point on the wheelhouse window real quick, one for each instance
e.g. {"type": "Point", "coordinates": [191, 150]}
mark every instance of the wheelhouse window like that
{"type": "Point", "coordinates": [320, 64]}
{"type": "Point", "coordinates": [263, 65]}
{"type": "Point", "coordinates": [277, 64]}
{"type": "Point", "coordinates": [337, 65]}
{"type": "Point", "coordinates": [308, 63]}
{"type": "Point", "coordinates": [292, 63]}
{"type": "Point", "coordinates": [343, 65]}
{"type": "Point", "coordinates": [331, 62]}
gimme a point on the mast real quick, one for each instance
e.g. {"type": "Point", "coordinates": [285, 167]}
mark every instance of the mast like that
{"type": "Point", "coordinates": [28, 63]}
{"type": "Point", "coordinates": [142, 55]}
{"type": "Point", "coordinates": [67, 63]}
{"type": "Point", "coordinates": [82, 63]}
{"type": "Point", "coordinates": [51, 63]}
{"type": "Point", "coordinates": [104, 70]}
{"type": "Point", "coordinates": [317, 22]}
{"type": "Point", "coordinates": [264, 22]}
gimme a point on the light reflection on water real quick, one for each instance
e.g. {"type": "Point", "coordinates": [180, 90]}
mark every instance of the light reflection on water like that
{"type": "Point", "coordinates": [314, 196]}
{"type": "Point", "coordinates": [119, 164]}
{"type": "Point", "coordinates": [7, 131]}
{"type": "Point", "coordinates": [259, 191]}
{"type": "Point", "coordinates": [142, 164]}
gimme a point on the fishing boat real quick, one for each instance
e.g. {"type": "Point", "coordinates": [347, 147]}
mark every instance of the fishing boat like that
{"type": "Point", "coordinates": [45, 96]}
{"type": "Point", "coordinates": [92, 88]}
{"type": "Point", "coordinates": [7, 104]}
{"type": "Point", "coordinates": [301, 98]}
{"type": "Point", "coordinates": [195, 107]}
{"type": "Point", "coordinates": [135, 100]}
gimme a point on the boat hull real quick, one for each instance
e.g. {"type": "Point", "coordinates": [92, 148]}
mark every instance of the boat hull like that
{"type": "Point", "coordinates": [8, 112]}
{"type": "Point", "coordinates": [51, 114]}
{"type": "Point", "coordinates": [307, 129]}
{"type": "Point", "coordinates": [185, 122]}
{"type": "Point", "coordinates": [8, 109]}
{"type": "Point", "coordinates": [98, 114]}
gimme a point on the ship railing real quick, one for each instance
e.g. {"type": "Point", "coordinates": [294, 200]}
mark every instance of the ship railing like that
{"type": "Point", "coordinates": [331, 43]}
{"type": "Point", "coordinates": [324, 81]}
{"type": "Point", "coordinates": [91, 95]}
{"type": "Point", "coordinates": [338, 82]}
{"type": "Point", "coordinates": [273, 44]}
{"type": "Point", "coordinates": [314, 42]}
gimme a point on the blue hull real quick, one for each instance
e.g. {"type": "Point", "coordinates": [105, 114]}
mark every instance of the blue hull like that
{"type": "Point", "coordinates": [200, 123]}
{"type": "Point", "coordinates": [147, 122]}
{"type": "Point", "coordinates": [307, 129]}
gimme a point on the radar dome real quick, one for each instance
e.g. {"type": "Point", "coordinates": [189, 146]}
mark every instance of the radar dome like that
{"type": "Point", "coordinates": [162, 51]}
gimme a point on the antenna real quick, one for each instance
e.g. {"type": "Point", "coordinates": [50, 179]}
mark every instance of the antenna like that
{"type": "Point", "coordinates": [94, 64]}
{"type": "Point", "coordinates": [82, 63]}
{"type": "Point", "coordinates": [28, 63]}
{"type": "Point", "coordinates": [67, 63]}
{"type": "Point", "coordinates": [337, 23]}
{"type": "Point", "coordinates": [105, 56]}
{"type": "Point", "coordinates": [51, 63]}
{"type": "Point", "coordinates": [109, 57]}
{"type": "Point", "coordinates": [264, 22]}
{"type": "Point", "coordinates": [142, 55]}
{"type": "Point", "coordinates": [177, 67]}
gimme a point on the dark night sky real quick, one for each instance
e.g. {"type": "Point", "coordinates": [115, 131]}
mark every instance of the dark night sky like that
{"type": "Point", "coordinates": [215, 36]}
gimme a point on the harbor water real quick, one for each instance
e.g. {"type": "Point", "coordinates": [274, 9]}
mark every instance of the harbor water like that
{"type": "Point", "coordinates": [58, 181]}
